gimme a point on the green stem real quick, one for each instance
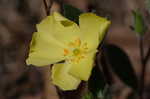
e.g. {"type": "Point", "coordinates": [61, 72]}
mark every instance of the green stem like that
{"type": "Point", "coordinates": [142, 78]}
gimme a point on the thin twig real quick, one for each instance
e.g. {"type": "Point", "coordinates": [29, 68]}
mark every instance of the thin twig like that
{"type": "Point", "coordinates": [50, 6]}
{"type": "Point", "coordinates": [3, 67]}
{"type": "Point", "coordinates": [47, 8]}
{"type": "Point", "coordinates": [142, 78]}
{"type": "Point", "coordinates": [147, 56]}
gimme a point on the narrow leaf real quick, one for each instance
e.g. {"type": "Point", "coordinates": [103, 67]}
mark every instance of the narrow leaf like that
{"type": "Point", "coordinates": [88, 95]}
{"type": "Point", "coordinates": [96, 81]}
{"type": "Point", "coordinates": [121, 65]}
{"type": "Point", "coordinates": [71, 12]}
{"type": "Point", "coordinates": [139, 24]}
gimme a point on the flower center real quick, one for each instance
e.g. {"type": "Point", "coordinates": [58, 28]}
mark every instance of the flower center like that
{"type": "Point", "coordinates": [77, 51]}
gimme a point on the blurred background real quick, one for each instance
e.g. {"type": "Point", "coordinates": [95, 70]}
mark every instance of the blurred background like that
{"type": "Point", "coordinates": [17, 23]}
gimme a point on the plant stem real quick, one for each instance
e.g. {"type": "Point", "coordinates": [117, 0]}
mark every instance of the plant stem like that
{"type": "Point", "coordinates": [47, 8]}
{"type": "Point", "coordinates": [143, 63]}
{"type": "Point", "coordinates": [147, 56]}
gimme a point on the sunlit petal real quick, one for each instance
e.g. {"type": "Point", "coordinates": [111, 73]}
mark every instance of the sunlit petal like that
{"type": "Point", "coordinates": [44, 51]}
{"type": "Point", "coordinates": [93, 29]}
{"type": "Point", "coordinates": [83, 68]}
{"type": "Point", "coordinates": [62, 79]}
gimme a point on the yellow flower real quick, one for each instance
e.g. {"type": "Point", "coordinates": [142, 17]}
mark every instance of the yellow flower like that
{"type": "Point", "coordinates": [71, 48]}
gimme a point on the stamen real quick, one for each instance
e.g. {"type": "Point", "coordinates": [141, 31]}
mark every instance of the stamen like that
{"type": "Point", "coordinates": [78, 42]}
{"type": "Point", "coordinates": [66, 52]}
{"type": "Point", "coordinates": [85, 46]}
{"type": "Point", "coordinates": [77, 51]}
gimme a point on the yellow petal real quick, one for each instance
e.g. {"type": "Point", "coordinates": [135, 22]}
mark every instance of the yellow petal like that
{"type": "Point", "coordinates": [93, 28]}
{"type": "Point", "coordinates": [59, 17]}
{"type": "Point", "coordinates": [83, 68]}
{"type": "Point", "coordinates": [59, 28]}
{"type": "Point", "coordinates": [62, 79]}
{"type": "Point", "coordinates": [44, 50]}
{"type": "Point", "coordinates": [46, 25]}
{"type": "Point", "coordinates": [66, 31]}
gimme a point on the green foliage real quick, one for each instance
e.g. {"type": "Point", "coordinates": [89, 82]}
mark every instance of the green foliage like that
{"type": "Point", "coordinates": [71, 12]}
{"type": "Point", "coordinates": [105, 93]}
{"type": "Point", "coordinates": [96, 81]}
{"type": "Point", "coordinates": [121, 65]}
{"type": "Point", "coordinates": [88, 95]}
{"type": "Point", "coordinates": [139, 24]}
{"type": "Point", "coordinates": [102, 94]}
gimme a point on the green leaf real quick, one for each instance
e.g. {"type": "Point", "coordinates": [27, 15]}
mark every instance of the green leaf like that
{"type": "Point", "coordinates": [96, 81]}
{"type": "Point", "coordinates": [139, 24]}
{"type": "Point", "coordinates": [121, 65]}
{"type": "Point", "coordinates": [88, 95]}
{"type": "Point", "coordinates": [71, 12]}
{"type": "Point", "coordinates": [105, 94]}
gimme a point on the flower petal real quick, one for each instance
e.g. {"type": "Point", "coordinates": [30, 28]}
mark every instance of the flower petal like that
{"type": "Point", "coordinates": [62, 79]}
{"type": "Point", "coordinates": [66, 31]}
{"type": "Point", "coordinates": [93, 28]}
{"type": "Point", "coordinates": [44, 50]}
{"type": "Point", "coordinates": [59, 17]}
{"type": "Point", "coordinates": [82, 70]}
{"type": "Point", "coordinates": [45, 26]}
{"type": "Point", "coordinates": [60, 28]}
